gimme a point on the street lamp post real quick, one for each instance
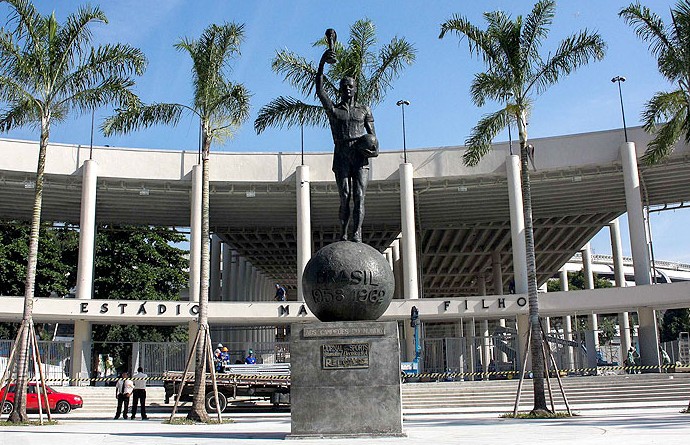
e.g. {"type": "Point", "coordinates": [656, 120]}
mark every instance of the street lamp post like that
{"type": "Point", "coordinates": [620, 79]}
{"type": "Point", "coordinates": [401, 103]}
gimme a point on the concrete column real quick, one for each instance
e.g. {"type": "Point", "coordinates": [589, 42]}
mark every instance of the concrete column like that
{"type": "Point", "coordinates": [389, 256]}
{"type": "Point", "coordinates": [592, 340]}
{"type": "Point", "coordinates": [633, 204]}
{"type": "Point", "coordinates": [87, 230]}
{"type": "Point", "coordinates": [241, 274]}
{"type": "Point", "coordinates": [501, 356]}
{"type": "Point", "coordinates": [592, 336]}
{"type": "Point", "coordinates": [497, 273]}
{"type": "Point", "coordinates": [587, 266]}
{"type": "Point", "coordinates": [564, 279]}
{"type": "Point", "coordinates": [409, 244]}
{"type": "Point", "coordinates": [648, 338]}
{"type": "Point", "coordinates": [252, 284]}
{"type": "Point", "coordinates": [619, 274]}
{"type": "Point", "coordinates": [214, 271]}
{"type": "Point", "coordinates": [617, 252]}
{"type": "Point", "coordinates": [234, 276]}
{"type": "Point", "coordinates": [397, 269]}
{"type": "Point", "coordinates": [523, 330]}
{"type": "Point", "coordinates": [227, 272]}
{"type": "Point", "coordinates": [195, 236]}
{"type": "Point", "coordinates": [81, 353]}
{"type": "Point", "coordinates": [303, 224]}
{"type": "Point", "coordinates": [471, 332]}
{"type": "Point", "coordinates": [248, 271]}
{"type": "Point", "coordinates": [517, 224]}
{"type": "Point", "coordinates": [567, 323]}
{"type": "Point", "coordinates": [568, 335]}
{"type": "Point", "coordinates": [481, 285]}
{"type": "Point", "coordinates": [486, 345]}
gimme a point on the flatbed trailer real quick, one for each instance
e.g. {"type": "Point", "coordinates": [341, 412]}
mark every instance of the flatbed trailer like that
{"type": "Point", "coordinates": [266, 381]}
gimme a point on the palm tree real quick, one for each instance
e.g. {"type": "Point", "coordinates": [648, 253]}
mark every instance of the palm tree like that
{"type": "Point", "coordinates": [374, 73]}
{"type": "Point", "coordinates": [666, 114]}
{"type": "Point", "coordinates": [48, 70]}
{"type": "Point", "coordinates": [516, 74]}
{"type": "Point", "coordinates": [221, 106]}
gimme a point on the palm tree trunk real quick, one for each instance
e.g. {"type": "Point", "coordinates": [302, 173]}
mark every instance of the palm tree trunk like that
{"type": "Point", "coordinates": [537, 342]}
{"type": "Point", "coordinates": [19, 413]}
{"type": "Point", "coordinates": [198, 411]}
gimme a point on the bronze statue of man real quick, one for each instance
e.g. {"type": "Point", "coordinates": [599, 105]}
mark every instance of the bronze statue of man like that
{"type": "Point", "coordinates": [354, 139]}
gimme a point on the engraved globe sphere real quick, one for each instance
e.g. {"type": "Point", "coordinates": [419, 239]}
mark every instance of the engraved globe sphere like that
{"type": "Point", "coordinates": [348, 281]}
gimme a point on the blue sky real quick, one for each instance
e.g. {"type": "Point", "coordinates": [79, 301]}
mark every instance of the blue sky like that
{"type": "Point", "coordinates": [437, 84]}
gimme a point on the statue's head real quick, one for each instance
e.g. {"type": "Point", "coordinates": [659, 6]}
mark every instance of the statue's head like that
{"type": "Point", "coordinates": [348, 87]}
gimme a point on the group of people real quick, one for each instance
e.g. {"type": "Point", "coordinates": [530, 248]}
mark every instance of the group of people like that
{"type": "Point", "coordinates": [221, 357]}
{"type": "Point", "coordinates": [134, 388]}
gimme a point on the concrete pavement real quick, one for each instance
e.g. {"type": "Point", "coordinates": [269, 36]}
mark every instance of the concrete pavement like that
{"type": "Point", "coordinates": [622, 426]}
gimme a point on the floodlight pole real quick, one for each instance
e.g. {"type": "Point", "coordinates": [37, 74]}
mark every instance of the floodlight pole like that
{"type": "Point", "coordinates": [619, 79]}
{"type": "Point", "coordinates": [401, 103]}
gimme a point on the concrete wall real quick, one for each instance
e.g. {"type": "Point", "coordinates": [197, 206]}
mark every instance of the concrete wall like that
{"type": "Point", "coordinates": [551, 153]}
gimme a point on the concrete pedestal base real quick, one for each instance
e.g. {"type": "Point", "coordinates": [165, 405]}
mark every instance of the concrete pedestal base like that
{"type": "Point", "coordinates": [345, 380]}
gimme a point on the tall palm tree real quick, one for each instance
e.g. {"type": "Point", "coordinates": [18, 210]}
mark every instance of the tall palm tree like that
{"type": "Point", "coordinates": [516, 74]}
{"type": "Point", "coordinates": [47, 71]}
{"type": "Point", "coordinates": [666, 114]}
{"type": "Point", "coordinates": [221, 106]}
{"type": "Point", "coordinates": [374, 73]}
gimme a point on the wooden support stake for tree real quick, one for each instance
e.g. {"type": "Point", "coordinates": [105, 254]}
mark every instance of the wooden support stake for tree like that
{"type": "Point", "coordinates": [522, 371]}
{"type": "Point", "coordinates": [209, 360]}
{"type": "Point", "coordinates": [37, 360]}
{"type": "Point", "coordinates": [558, 377]}
{"type": "Point", "coordinates": [184, 374]}
{"type": "Point", "coordinates": [7, 375]}
{"type": "Point", "coordinates": [546, 367]}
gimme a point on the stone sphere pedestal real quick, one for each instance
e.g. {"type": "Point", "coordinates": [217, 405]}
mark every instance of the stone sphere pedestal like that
{"type": "Point", "coordinates": [348, 281]}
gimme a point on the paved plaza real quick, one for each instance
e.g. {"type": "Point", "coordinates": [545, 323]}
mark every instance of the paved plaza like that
{"type": "Point", "coordinates": [630, 426]}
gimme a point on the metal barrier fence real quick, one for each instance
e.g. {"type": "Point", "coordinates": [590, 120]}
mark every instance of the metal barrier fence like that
{"type": "Point", "coordinates": [156, 358]}
{"type": "Point", "coordinates": [55, 358]}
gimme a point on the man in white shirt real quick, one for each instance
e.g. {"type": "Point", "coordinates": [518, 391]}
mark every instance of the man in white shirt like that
{"type": "Point", "coordinates": [139, 393]}
{"type": "Point", "coordinates": [123, 390]}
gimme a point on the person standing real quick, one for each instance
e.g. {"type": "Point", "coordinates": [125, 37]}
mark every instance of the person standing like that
{"type": "Point", "coordinates": [139, 393]}
{"type": "Point", "coordinates": [123, 390]}
{"type": "Point", "coordinates": [281, 294]}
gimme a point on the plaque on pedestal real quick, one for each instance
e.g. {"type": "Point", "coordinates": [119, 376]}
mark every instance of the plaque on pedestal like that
{"type": "Point", "coordinates": [345, 380]}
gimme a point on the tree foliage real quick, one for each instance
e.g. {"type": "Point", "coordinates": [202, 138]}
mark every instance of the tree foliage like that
{"type": "Point", "coordinates": [221, 107]}
{"type": "Point", "coordinates": [374, 71]}
{"type": "Point", "coordinates": [516, 73]}
{"type": "Point", "coordinates": [667, 114]}
{"type": "Point", "coordinates": [131, 262]}
{"type": "Point", "coordinates": [673, 323]}
{"type": "Point", "coordinates": [49, 70]}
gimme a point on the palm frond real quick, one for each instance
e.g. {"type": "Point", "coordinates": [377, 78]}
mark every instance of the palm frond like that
{"type": "Point", "coordinates": [288, 112]}
{"type": "Point", "coordinates": [665, 137]}
{"type": "Point", "coordinates": [648, 27]}
{"type": "Point", "coordinates": [489, 86]}
{"type": "Point", "coordinates": [138, 116]}
{"type": "Point", "coordinates": [479, 42]}
{"type": "Point", "coordinates": [73, 38]}
{"type": "Point", "coordinates": [662, 107]}
{"type": "Point", "coordinates": [19, 114]}
{"type": "Point", "coordinates": [573, 52]}
{"type": "Point", "coordinates": [478, 144]}
{"type": "Point", "coordinates": [296, 70]}
{"type": "Point", "coordinates": [535, 27]}
{"type": "Point", "coordinates": [231, 107]}
{"type": "Point", "coordinates": [392, 59]}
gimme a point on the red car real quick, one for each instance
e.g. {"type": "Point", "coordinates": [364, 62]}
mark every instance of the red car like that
{"type": "Point", "coordinates": [60, 402]}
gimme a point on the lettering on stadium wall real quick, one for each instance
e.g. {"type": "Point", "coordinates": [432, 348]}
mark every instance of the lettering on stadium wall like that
{"type": "Point", "coordinates": [138, 308]}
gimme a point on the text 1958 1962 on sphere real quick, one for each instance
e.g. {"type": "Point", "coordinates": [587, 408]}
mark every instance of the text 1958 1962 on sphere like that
{"type": "Point", "coordinates": [348, 281]}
